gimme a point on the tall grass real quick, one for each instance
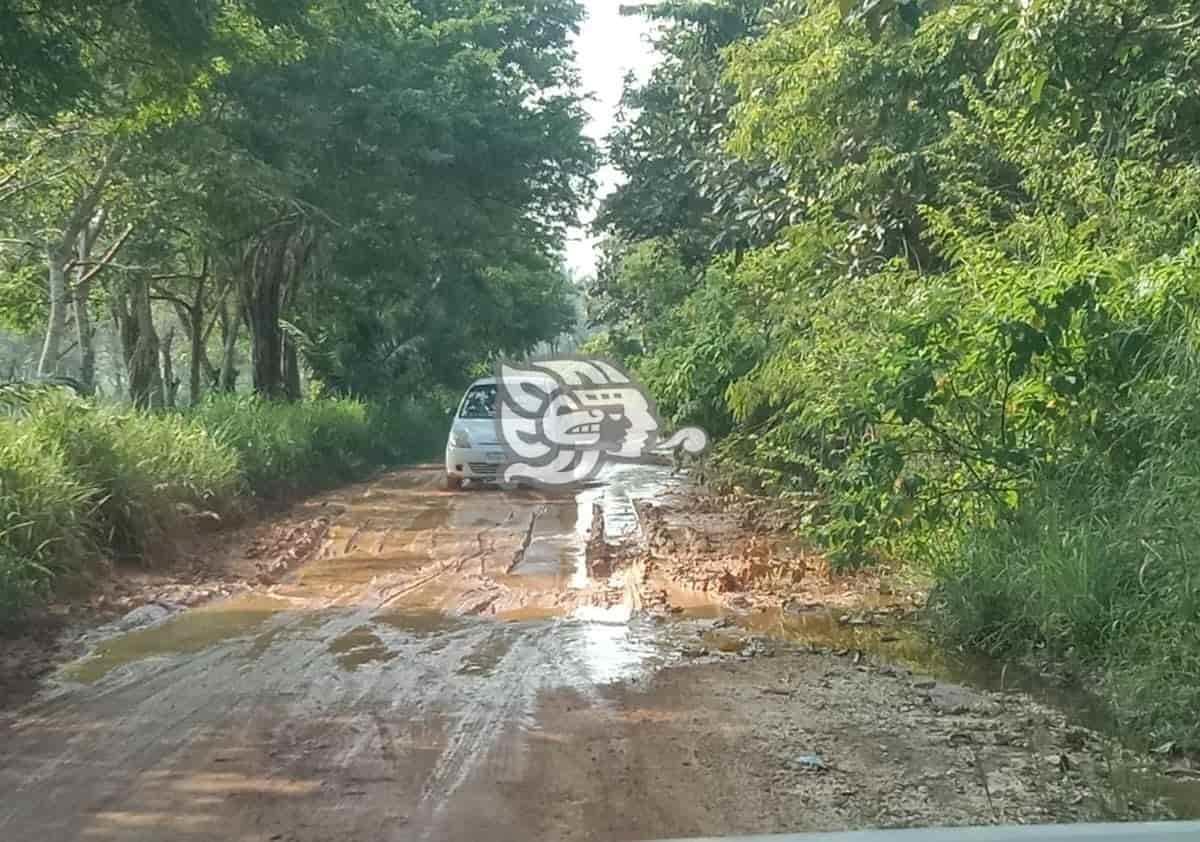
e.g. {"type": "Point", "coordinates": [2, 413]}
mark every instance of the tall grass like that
{"type": "Point", "coordinates": [45, 516]}
{"type": "Point", "coordinates": [291, 447]}
{"type": "Point", "coordinates": [286, 447]}
{"type": "Point", "coordinates": [79, 480]}
{"type": "Point", "coordinates": [151, 472]}
{"type": "Point", "coordinates": [1100, 564]}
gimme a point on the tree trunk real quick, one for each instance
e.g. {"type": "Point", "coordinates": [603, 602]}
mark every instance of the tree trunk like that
{"type": "Point", "coordinates": [167, 370]}
{"type": "Point", "coordinates": [272, 265]}
{"type": "Point", "coordinates": [201, 372]}
{"type": "Point", "coordinates": [229, 336]}
{"type": "Point", "coordinates": [197, 337]}
{"type": "Point", "coordinates": [58, 253]}
{"type": "Point", "coordinates": [85, 332]}
{"type": "Point", "coordinates": [139, 342]}
{"type": "Point", "coordinates": [86, 335]}
{"type": "Point", "coordinates": [56, 323]}
{"type": "Point", "coordinates": [212, 376]}
{"type": "Point", "coordinates": [194, 328]}
{"type": "Point", "coordinates": [196, 351]}
{"type": "Point", "coordinates": [261, 299]}
{"type": "Point", "coordinates": [291, 370]}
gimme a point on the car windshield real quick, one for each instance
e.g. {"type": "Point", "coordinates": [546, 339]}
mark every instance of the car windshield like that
{"type": "Point", "coordinates": [480, 402]}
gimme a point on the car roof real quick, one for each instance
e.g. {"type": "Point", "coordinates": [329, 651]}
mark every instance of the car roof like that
{"type": "Point", "coordinates": [491, 381]}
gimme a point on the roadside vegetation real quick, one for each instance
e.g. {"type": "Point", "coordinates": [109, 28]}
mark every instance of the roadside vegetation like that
{"type": "Point", "coordinates": [930, 272]}
{"type": "Point", "coordinates": [81, 481]}
{"type": "Point", "coordinates": [254, 243]}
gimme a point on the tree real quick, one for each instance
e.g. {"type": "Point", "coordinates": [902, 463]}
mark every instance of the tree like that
{"type": "Point", "coordinates": [132, 69]}
{"type": "Point", "coordinates": [685, 200]}
{"type": "Point", "coordinates": [425, 157]}
{"type": "Point", "coordinates": [414, 153]}
{"type": "Point", "coordinates": [68, 55]}
{"type": "Point", "coordinates": [987, 206]}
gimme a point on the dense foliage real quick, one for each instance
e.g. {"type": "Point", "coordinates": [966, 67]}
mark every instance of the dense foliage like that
{"type": "Point", "coordinates": [368, 196]}
{"type": "Point", "coordinates": [930, 267]}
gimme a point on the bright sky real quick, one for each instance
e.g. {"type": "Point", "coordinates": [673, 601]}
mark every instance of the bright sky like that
{"type": "Point", "coordinates": [609, 46]}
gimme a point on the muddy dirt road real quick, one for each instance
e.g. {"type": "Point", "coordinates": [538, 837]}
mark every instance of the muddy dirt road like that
{"type": "Point", "coordinates": [446, 668]}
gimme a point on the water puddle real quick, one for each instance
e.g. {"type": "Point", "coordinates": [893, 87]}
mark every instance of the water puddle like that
{"type": "Point", "coordinates": [610, 649]}
{"type": "Point", "coordinates": [902, 643]}
{"type": "Point", "coordinates": [557, 550]}
{"type": "Point", "coordinates": [289, 630]}
{"type": "Point", "coordinates": [189, 632]}
{"type": "Point", "coordinates": [421, 623]}
{"type": "Point", "coordinates": [624, 485]}
{"type": "Point", "coordinates": [358, 647]}
{"type": "Point", "coordinates": [483, 659]}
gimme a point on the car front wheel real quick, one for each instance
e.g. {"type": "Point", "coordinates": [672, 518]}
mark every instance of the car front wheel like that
{"type": "Point", "coordinates": [454, 483]}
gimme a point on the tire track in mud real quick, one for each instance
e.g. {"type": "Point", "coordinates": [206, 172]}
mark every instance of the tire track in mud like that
{"type": "Point", "coordinates": [265, 709]}
{"type": "Point", "coordinates": [390, 595]}
{"type": "Point", "coordinates": [506, 698]}
{"type": "Point", "coordinates": [492, 719]}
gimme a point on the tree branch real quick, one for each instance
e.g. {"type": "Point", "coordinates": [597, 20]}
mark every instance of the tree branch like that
{"type": "Point", "coordinates": [105, 259]}
{"type": "Point", "coordinates": [1169, 27]}
{"type": "Point", "coordinates": [174, 299]}
{"type": "Point", "coordinates": [86, 206]}
{"type": "Point", "coordinates": [7, 192]}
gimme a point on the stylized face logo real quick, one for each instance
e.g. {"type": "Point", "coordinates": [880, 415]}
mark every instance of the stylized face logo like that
{"type": "Point", "coordinates": [561, 420]}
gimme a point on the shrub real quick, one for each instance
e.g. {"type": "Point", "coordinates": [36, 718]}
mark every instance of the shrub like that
{"type": "Point", "coordinates": [45, 510]}
{"type": "Point", "coordinates": [410, 430]}
{"type": "Point", "coordinates": [290, 447]}
{"type": "Point", "coordinates": [1098, 563]}
{"type": "Point", "coordinates": [152, 470]}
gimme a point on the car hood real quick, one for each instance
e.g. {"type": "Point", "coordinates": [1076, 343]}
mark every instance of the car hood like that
{"type": "Point", "coordinates": [481, 431]}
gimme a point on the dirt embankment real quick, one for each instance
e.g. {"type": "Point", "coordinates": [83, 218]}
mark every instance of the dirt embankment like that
{"type": "Point", "coordinates": [735, 551]}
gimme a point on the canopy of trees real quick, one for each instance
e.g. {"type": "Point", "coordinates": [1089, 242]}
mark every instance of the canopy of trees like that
{"type": "Point", "coordinates": [373, 195]}
{"type": "Point", "coordinates": [910, 253]}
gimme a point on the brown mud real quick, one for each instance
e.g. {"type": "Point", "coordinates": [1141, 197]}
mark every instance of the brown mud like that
{"type": "Point", "coordinates": [209, 564]}
{"type": "Point", "coordinates": [619, 661]}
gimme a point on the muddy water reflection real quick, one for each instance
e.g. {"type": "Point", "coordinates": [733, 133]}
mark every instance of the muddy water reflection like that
{"type": "Point", "coordinates": [190, 632]}
{"type": "Point", "coordinates": [608, 652]}
{"type": "Point", "coordinates": [557, 547]}
{"type": "Point", "coordinates": [360, 646]}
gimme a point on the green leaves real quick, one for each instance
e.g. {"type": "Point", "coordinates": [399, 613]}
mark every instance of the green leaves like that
{"type": "Point", "coordinates": [982, 214]}
{"type": "Point", "coordinates": [142, 56]}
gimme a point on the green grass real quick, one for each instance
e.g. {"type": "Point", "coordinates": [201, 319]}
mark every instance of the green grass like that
{"type": "Point", "coordinates": [287, 448]}
{"type": "Point", "coordinates": [45, 515]}
{"type": "Point", "coordinates": [79, 481]}
{"type": "Point", "coordinates": [1104, 574]}
{"type": "Point", "coordinates": [151, 472]}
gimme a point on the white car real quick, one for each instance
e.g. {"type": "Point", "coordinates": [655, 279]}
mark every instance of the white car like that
{"type": "Point", "coordinates": [473, 451]}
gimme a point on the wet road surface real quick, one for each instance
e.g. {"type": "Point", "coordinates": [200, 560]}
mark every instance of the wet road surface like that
{"type": "Point", "coordinates": [446, 669]}
{"type": "Point", "coordinates": [387, 690]}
